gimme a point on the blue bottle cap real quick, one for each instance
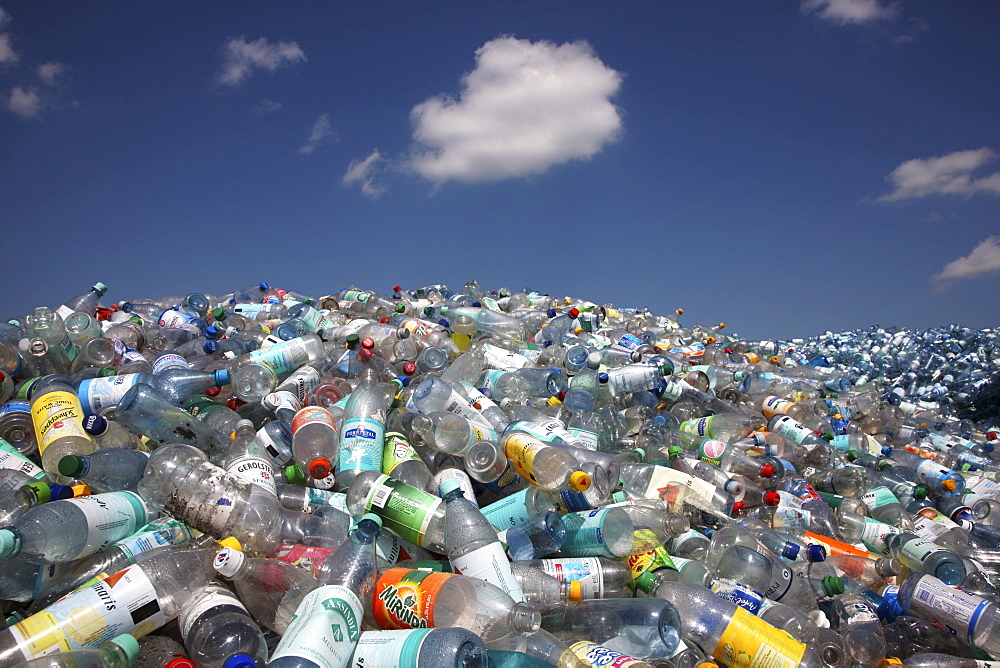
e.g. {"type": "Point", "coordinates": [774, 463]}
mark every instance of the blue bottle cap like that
{"type": "Point", "coordinates": [444, 323]}
{"type": "Point", "coordinates": [603, 377]}
{"type": "Point", "coordinates": [59, 492]}
{"type": "Point", "coordinates": [790, 551]}
{"type": "Point", "coordinates": [240, 661]}
{"type": "Point", "coordinates": [222, 377]}
{"type": "Point", "coordinates": [404, 380]}
{"type": "Point", "coordinates": [886, 451]}
{"type": "Point", "coordinates": [816, 553]}
{"type": "Point", "coordinates": [263, 286]}
{"type": "Point", "coordinates": [210, 347]}
{"type": "Point", "coordinates": [212, 332]}
{"type": "Point", "coordinates": [129, 645]}
{"type": "Point", "coordinates": [477, 305]}
{"type": "Point", "coordinates": [551, 313]}
{"type": "Point", "coordinates": [95, 425]}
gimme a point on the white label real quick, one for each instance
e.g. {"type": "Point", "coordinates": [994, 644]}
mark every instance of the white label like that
{"type": "Point", "coordinates": [210, 597]}
{"type": "Point", "coordinates": [255, 471]}
{"type": "Point", "coordinates": [496, 357]}
{"type": "Point", "coordinates": [874, 533]}
{"type": "Point", "coordinates": [300, 382]}
{"type": "Point", "coordinates": [110, 517]}
{"type": "Point", "coordinates": [324, 629]}
{"type": "Point", "coordinates": [389, 649]}
{"type": "Point", "coordinates": [97, 393]}
{"type": "Point", "coordinates": [859, 613]}
{"type": "Point", "coordinates": [587, 570]}
{"type": "Point", "coordinates": [957, 610]}
{"type": "Point", "coordinates": [676, 486]}
{"type": "Point", "coordinates": [490, 563]}
{"type": "Point", "coordinates": [14, 461]}
{"type": "Point", "coordinates": [168, 361]}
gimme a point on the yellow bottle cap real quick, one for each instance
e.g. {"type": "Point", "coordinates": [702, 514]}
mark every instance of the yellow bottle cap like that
{"type": "Point", "coordinates": [81, 490]}
{"type": "Point", "coordinates": [575, 591]}
{"type": "Point", "coordinates": [949, 485]}
{"type": "Point", "coordinates": [579, 481]}
{"type": "Point", "coordinates": [231, 542]}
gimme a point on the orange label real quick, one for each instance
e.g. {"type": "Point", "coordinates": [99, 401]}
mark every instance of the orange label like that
{"type": "Point", "coordinates": [405, 598]}
{"type": "Point", "coordinates": [834, 546]}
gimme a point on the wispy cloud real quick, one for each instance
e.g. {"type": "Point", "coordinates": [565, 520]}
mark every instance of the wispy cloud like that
{"type": "Point", "coordinates": [984, 259]}
{"type": "Point", "coordinates": [51, 72]}
{"type": "Point", "coordinates": [364, 173]}
{"type": "Point", "coordinates": [241, 58]}
{"type": "Point", "coordinates": [8, 56]}
{"type": "Point", "coordinates": [944, 175]}
{"type": "Point", "coordinates": [265, 107]}
{"type": "Point", "coordinates": [321, 131]}
{"type": "Point", "coordinates": [25, 103]}
{"type": "Point", "coordinates": [525, 107]}
{"type": "Point", "coordinates": [846, 12]}
{"type": "Point", "coordinates": [4, 17]}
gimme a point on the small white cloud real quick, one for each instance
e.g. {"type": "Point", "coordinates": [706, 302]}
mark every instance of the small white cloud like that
{"type": "Point", "coordinates": [321, 131]}
{"type": "Point", "coordinates": [846, 12]}
{"type": "Point", "coordinates": [241, 58]}
{"type": "Point", "coordinates": [25, 103]}
{"type": "Point", "coordinates": [944, 175]}
{"type": "Point", "coordinates": [50, 72]}
{"type": "Point", "coordinates": [265, 107]}
{"type": "Point", "coordinates": [984, 259]}
{"type": "Point", "coordinates": [8, 56]}
{"type": "Point", "coordinates": [363, 172]}
{"type": "Point", "coordinates": [4, 17]}
{"type": "Point", "coordinates": [525, 107]}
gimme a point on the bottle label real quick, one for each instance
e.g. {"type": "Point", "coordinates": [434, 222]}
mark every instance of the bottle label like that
{"type": "Point", "coordinates": [930, 524]}
{"type": "Point", "coordinates": [790, 517]}
{"type": "Point", "coordinates": [700, 427]}
{"type": "Point", "coordinates": [857, 613]}
{"type": "Point", "coordinates": [490, 563]}
{"type": "Point", "coordinates": [931, 473]}
{"type": "Point", "coordinates": [324, 628]}
{"type": "Point", "coordinates": [588, 571]}
{"type": "Point", "coordinates": [278, 450]}
{"type": "Point", "coordinates": [917, 551]}
{"type": "Point", "coordinates": [11, 458]}
{"type": "Point", "coordinates": [387, 546]}
{"type": "Point", "coordinates": [396, 451]}
{"type": "Point", "coordinates": [545, 431]}
{"type": "Point", "coordinates": [326, 497]}
{"type": "Point", "coordinates": [876, 497]}
{"type": "Point", "coordinates": [210, 597]}
{"type": "Point", "coordinates": [792, 429]}
{"type": "Point", "coordinates": [643, 566]}
{"type": "Point", "coordinates": [633, 378]}
{"type": "Point", "coordinates": [521, 449]}
{"type": "Point", "coordinates": [361, 443]}
{"type": "Point", "coordinates": [956, 610]}
{"type": "Point", "coordinates": [122, 603]}
{"type": "Point", "coordinates": [569, 501]}
{"type": "Point", "coordinates": [389, 649]}
{"type": "Point", "coordinates": [159, 532]}
{"type": "Point", "coordinates": [499, 358]}
{"type": "Point", "coordinates": [404, 509]}
{"type": "Point", "coordinates": [746, 597]}
{"type": "Point", "coordinates": [282, 358]}
{"type": "Point", "coordinates": [585, 534]}
{"type": "Point", "coordinates": [311, 415]}
{"type": "Point", "coordinates": [57, 415]}
{"type": "Point", "coordinates": [676, 487]}
{"type": "Point", "coordinates": [750, 641]}
{"type": "Point", "coordinates": [171, 319]}
{"type": "Point", "coordinates": [772, 406]}
{"type": "Point", "coordinates": [306, 557]}
{"type": "Point", "coordinates": [255, 471]}
{"type": "Point", "coordinates": [583, 438]}
{"type": "Point", "coordinates": [110, 517]}
{"type": "Point", "coordinates": [803, 489]}
{"type": "Point", "coordinates": [300, 382]}
{"type": "Point", "coordinates": [712, 451]}
{"type": "Point", "coordinates": [96, 393]}
{"type": "Point", "coordinates": [405, 598]}
{"type": "Point", "coordinates": [874, 533]}
{"type": "Point", "coordinates": [169, 361]}
{"type": "Point", "coordinates": [510, 511]}
{"type": "Point", "coordinates": [599, 656]}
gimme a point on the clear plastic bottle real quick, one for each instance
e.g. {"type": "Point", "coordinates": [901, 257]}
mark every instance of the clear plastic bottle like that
{"type": "Point", "coordinates": [970, 617]}
{"type": "Point", "coordinates": [71, 529]}
{"type": "Point", "coordinates": [420, 648]}
{"type": "Point", "coordinates": [450, 433]}
{"type": "Point", "coordinates": [110, 434]}
{"type": "Point", "coordinates": [362, 433]}
{"type": "Point", "coordinates": [218, 632]}
{"type": "Point", "coordinates": [859, 626]}
{"type": "Point", "coordinates": [16, 502]}
{"type": "Point", "coordinates": [599, 577]}
{"type": "Point", "coordinates": [543, 465]}
{"type": "Point", "coordinates": [146, 412]}
{"type": "Point", "coordinates": [923, 556]}
{"type": "Point", "coordinates": [605, 532]}
{"type": "Point", "coordinates": [107, 470]}
{"type": "Point", "coordinates": [58, 418]}
{"type": "Point", "coordinates": [411, 513]}
{"type": "Point", "coordinates": [249, 460]}
{"type": "Point", "coordinates": [644, 627]}
{"type": "Point", "coordinates": [119, 652]}
{"type": "Point", "coordinates": [315, 441]}
{"type": "Point", "coordinates": [402, 462]}
{"type": "Point", "coordinates": [160, 651]}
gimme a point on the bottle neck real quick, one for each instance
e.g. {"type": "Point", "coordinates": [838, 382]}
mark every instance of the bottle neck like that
{"type": "Point", "coordinates": [524, 618]}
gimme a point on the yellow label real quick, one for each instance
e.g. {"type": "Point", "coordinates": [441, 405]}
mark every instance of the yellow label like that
{"type": "Point", "coordinates": [57, 415]}
{"type": "Point", "coordinates": [750, 642]}
{"type": "Point", "coordinates": [521, 450]}
{"type": "Point", "coordinates": [42, 632]}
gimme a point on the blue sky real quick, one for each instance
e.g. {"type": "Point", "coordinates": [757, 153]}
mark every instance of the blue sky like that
{"type": "Point", "coordinates": [787, 167]}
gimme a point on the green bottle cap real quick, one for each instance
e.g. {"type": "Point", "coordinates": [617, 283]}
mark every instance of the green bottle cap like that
{"type": "Point", "coordinates": [833, 585]}
{"type": "Point", "coordinates": [129, 645]}
{"type": "Point", "coordinates": [42, 491]}
{"type": "Point", "coordinates": [294, 474]}
{"type": "Point", "coordinates": [449, 485]}
{"type": "Point", "coordinates": [675, 451]}
{"type": "Point", "coordinates": [10, 543]}
{"type": "Point", "coordinates": [100, 288]}
{"type": "Point", "coordinates": [71, 466]}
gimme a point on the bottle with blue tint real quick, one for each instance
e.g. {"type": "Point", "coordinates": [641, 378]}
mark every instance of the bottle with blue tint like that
{"type": "Point", "coordinates": [146, 412]}
{"type": "Point", "coordinates": [174, 384]}
{"type": "Point", "coordinates": [539, 537]}
{"type": "Point", "coordinates": [918, 555]}
{"type": "Point", "coordinates": [421, 648]}
{"type": "Point", "coordinates": [108, 470]}
{"type": "Point", "coordinates": [218, 632]}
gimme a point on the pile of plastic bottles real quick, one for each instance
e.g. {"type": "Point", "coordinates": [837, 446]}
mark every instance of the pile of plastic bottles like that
{"type": "Point", "coordinates": [486, 478]}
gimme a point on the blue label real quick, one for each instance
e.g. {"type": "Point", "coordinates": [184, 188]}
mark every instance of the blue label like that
{"type": "Point", "coordinates": [508, 512]}
{"type": "Point", "coordinates": [361, 443]}
{"type": "Point", "coordinates": [574, 501]}
{"type": "Point", "coordinates": [15, 407]}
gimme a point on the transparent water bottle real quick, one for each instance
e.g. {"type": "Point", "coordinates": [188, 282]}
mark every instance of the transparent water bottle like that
{"type": "Point", "coordinates": [638, 627]}
{"type": "Point", "coordinates": [362, 433]}
{"type": "Point", "coordinates": [107, 470]}
{"type": "Point", "coordinates": [315, 441]}
{"type": "Point", "coordinates": [160, 651]}
{"type": "Point", "coordinates": [248, 459]}
{"type": "Point", "coordinates": [410, 513]}
{"type": "Point", "coordinates": [119, 652]}
{"type": "Point", "coordinates": [420, 648]}
{"type": "Point", "coordinates": [218, 632]}
{"type": "Point", "coordinates": [146, 412]}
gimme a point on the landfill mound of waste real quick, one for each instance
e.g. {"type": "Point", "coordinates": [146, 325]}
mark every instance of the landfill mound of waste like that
{"type": "Point", "coordinates": [428, 478]}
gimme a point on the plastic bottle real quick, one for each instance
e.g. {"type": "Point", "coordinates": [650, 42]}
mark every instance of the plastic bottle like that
{"type": "Point", "coordinates": [923, 556]}
{"type": "Point", "coordinates": [401, 461]}
{"type": "Point", "coordinates": [159, 651]}
{"type": "Point", "coordinates": [145, 411]}
{"type": "Point", "coordinates": [108, 470]}
{"type": "Point", "coordinates": [58, 419]}
{"type": "Point", "coordinates": [647, 627]}
{"type": "Point", "coordinates": [16, 502]}
{"type": "Point", "coordinates": [218, 632]}
{"type": "Point", "coordinates": [968, 616]}
{"type": "Point", "coordinates": [247, 458]}
{"type": "Point", "coordinates": [550, 468]}
{"type": "Point", "coordinates": [315, 441]}
{"type": "Point", "coordinates": [599, 577]}
{"type": "Point", "coordinates": [362, 433]}
{"type": "Point", "coordinates": [119, 652]}
{"type": "Point", "coordinates": [420, 648]}
{"type": "Point", "coordinates": [411, 513]}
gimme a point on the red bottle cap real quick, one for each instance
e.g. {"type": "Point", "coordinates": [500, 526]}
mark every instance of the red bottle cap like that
{"type": "Point", "coordinates": [213, 391]}
{"type": "Point", "coordinates": [320, 467]}
{"type": "Point", "coordinates": [766, 471]}
{"type": "Point", "coordinates": [772, 499]}
{"type": "Point", "coordinates": [738, 508]}
{"type": "Point", "coordinates": [409, 368]}
{"type": "Point", "coordinates": [368, 342]}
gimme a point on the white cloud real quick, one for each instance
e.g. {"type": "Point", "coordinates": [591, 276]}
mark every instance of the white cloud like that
{"type": "Point", "coordinates": [241, 58]}
{"type": "Point", "coordinates": [266, 106]}
{"type": "Point", "coordinates": [944, 175]}
{"type": "Point", "coordinates": [363, 172]}
{"type": "Point", "coordinates": [50, 72]}
{"type": "Point", "coordinates": [846, 12]}
{"type": "Point", "coordinates": [984, 259]}
{"type": "Point", "coordinates": [25, 103]}
{"type": "Point", "coordinates": [321, 131]}
{"type": "Point", "coordinates": [4, 17]}
{"type": "Point", "coordinates": [525, 107]}
{"type": "Point", "coordinates": [8, 56]}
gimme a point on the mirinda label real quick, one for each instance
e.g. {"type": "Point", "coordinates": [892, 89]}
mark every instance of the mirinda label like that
{"type": "Point", "coordinates": [405, 598]}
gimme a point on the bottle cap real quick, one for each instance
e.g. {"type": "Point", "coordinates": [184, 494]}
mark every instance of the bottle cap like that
{"type": "Point", "coordinates": [240, 660]}
{"type": "Point", "coordinates": [816, 553]}
{"type": "Point", "coordinates": [772, 499]}
{"type": "Point", "coordinates": [95, 425]}
{"type": "Point", "coordinates": [790, 551]}
{"type": "Point", "coordinates": [320, 467]}
{"type": "Point", "coordinates": [766, 471]}
{"type": "Point", "coordinates": [179, 661]}
{"type": "Point", "coordinates": [579, 481]}
{"type": "Point", "coordinates": [228, 561]}
{"type": "Point", "coordinates": [72, 465]}
{"type": "Point", "coordinates": [448, 486]}
{"type": "Point", "coordinates": [232, 542]}
{"type": "Point", "coordinates": [575, 590]}
{"type": "Point", "coordinates": [60, 492]}
{"type": "Point", "coordinates": [129, 645]}
{"type": "Point", "coordinates": [294, 474]}
{"type": "Point", "coordinates": [42, 491]}
{"type": "Point", "coordinates": [833, 585]}
{"type": "Point", "coordinates": [100, 288]}
{"type": "Point", "coordinates": [10, 543]}
{"type": "Point", "coordinates": [949, 485]}
{"type": "Point", "coordinates": [373, 518]}
{"type": "Point", "coordinates": [737, 508]}
{"type": "Point", "coordinates": [675, 451]}
{"type": "Point", "coordinates": [920, 492]}
{"type": "Point", "coordinates": [222, 377]}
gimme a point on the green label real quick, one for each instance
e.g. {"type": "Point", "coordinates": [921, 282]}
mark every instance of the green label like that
{"type": "Point", "coordinates": [404, 509]}
{"type": "Point", "coordinates": [396, 451]}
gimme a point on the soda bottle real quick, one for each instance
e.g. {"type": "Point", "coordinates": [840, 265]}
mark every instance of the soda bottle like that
{"type": "Point", "coordinates": [58, 419]}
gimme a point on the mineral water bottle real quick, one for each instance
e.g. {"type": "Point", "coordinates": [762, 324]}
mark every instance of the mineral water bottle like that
{"type": "Point", "coordinates": [137, 600]}
{"type": "Point", "coordinates": [641, 627]}
{"type": "Point", "coordinates": [541, 589]}
{"type": "Point", "coordinates": [16, 502]}
{"type": "Point", "coordinates": [923, 556]}
{"type": "Point", "coordinates": [420, 648]}
{"type": "Point", "coordinates": [540, 536]}
{"type": "Point", "coordinates": [407, 598]}
{"type": "Point", "coordinates": [146, 412]}
{"type": "Point", "coordinates": [159, 651]}
{"type": "Point", "coordinates": [107, 470]}
{"type": "Point", "coordinates": [119, 652]}
{"type": "Point", "coordinates": [315, 441]}
{"type": "Point", "coordinates": [327, 623]}
{"type": "Point", "coordinates": [450, 433]}
{"type": "Point", "coordinates": [218, 632]}
{"type": "Point", "coordinates": [411, 513]}
{"type": "Point", "coordinates": [110, 433]}
{"type": "Point", "coordinates": [599, 577]}
{"type": "Point", "coordinates": [58, 418]}
{"type": "Point", "coordinates": [362, 434]}
{"type": "Point", "coordinates": [605, 532]}
{"type": "Point", "coordinates": [71, 529]}
{"type": "Point", "coordinates": [972, 618]}
{"type": "Point", "coordinates": [402, 462]}
{"type": "Point", "coordinates": [247, 458]}
{"type": "Point", "coordinates": [543, 465]}
{"type": "Point", "coordinates": [86, 302]}
{"type": "Point", "coordinates": [517, 508]}
{"type": "Point", "coordinates": [858, 624]}
{"type": "Point", "coordinates": [472, 544]}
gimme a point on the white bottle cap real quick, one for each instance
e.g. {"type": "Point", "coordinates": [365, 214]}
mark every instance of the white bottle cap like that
{"type": "Point", "coordinates": [228, 561]}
